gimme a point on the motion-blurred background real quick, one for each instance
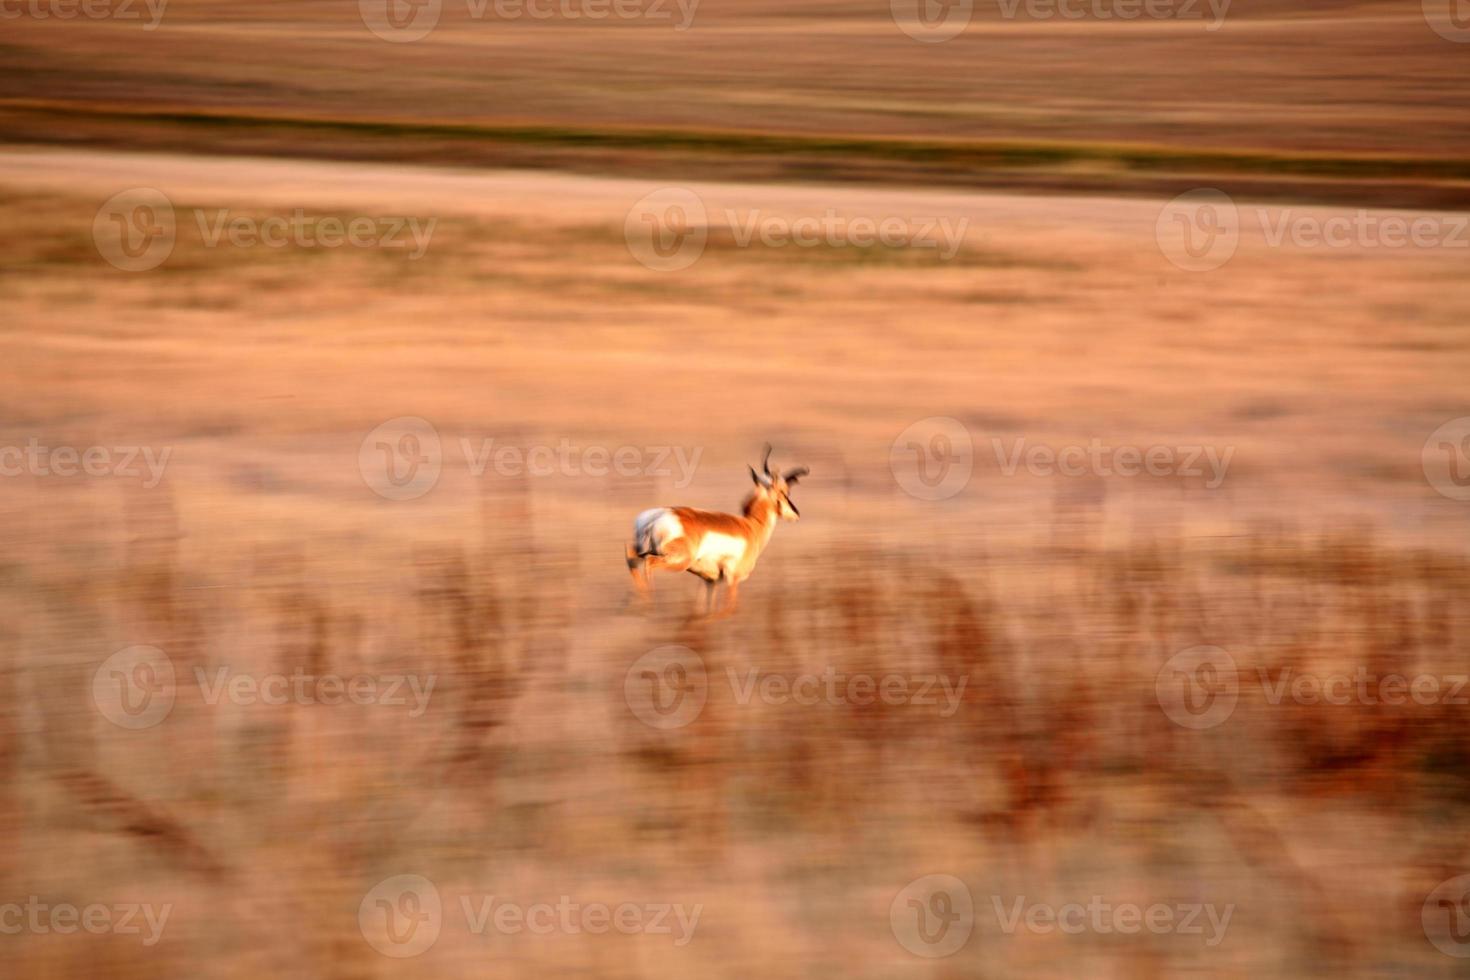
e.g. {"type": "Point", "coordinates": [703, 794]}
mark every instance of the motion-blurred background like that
{"type": "Point", "coordinates": [342, 342]}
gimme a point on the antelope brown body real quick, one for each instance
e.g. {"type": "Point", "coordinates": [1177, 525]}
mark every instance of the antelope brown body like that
{"type": "Point", "coordinates": [714, 546]}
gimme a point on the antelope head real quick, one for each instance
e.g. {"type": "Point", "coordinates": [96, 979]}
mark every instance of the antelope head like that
{"type": "Point", "coordinates": [775, 488]}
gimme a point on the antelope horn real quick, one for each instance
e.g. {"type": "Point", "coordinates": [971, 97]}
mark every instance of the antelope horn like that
{"type": "Point", "coordinates": [766, 459]}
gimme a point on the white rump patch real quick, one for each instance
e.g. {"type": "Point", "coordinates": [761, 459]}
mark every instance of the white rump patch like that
{"type": "Point", "coordinates": [653, 529]}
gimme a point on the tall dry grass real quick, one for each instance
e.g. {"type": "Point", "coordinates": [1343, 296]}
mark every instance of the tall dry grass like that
{"type": "Point", "coordinates": [1059, 775]}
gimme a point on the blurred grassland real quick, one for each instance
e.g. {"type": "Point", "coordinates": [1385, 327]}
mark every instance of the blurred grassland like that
{"type": "Point", "coordinates": [527, 321]}
{"type": "Point", "coordinates": [1358, 103]}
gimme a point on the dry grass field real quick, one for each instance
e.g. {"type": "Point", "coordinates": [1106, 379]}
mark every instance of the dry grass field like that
{"type": "Point", "coordinates": [1278, 74]}
{"type": "Point", "coordinates": [1051, 605]}
{"type": "Point", "coordinates": [1126, 628]}
{"type": "Point", "coordinates": [1334, 101]}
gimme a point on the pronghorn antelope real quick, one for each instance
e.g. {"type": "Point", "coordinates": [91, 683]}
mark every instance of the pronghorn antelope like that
{"type": "Point", "coordinates": [716, 547]}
